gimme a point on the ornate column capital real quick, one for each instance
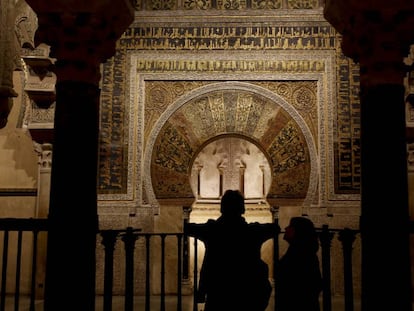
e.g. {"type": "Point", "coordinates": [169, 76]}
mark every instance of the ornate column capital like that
{"type": "Point", "coordinates": [82, 34]}
{"type": "Point", "coordinates": [377, 35]}
{"type": "Point", "coordinates": [44, 152]}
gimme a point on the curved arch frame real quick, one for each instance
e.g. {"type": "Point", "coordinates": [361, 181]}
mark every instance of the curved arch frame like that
{"type": "Point", "coordinates": [244, 86]}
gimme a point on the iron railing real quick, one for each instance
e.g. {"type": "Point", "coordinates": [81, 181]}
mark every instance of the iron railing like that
{"type": "Point", "coordinates": [21, 236]}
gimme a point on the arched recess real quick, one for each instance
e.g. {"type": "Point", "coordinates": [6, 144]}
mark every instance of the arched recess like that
{"type": "Point", "coordinates": [183, 128]}
{"type": "Point", "coordinates": [231, 161]}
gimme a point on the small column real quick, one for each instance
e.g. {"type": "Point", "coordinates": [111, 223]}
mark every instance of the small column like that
{"type": "Point", "coordinates": [242, 171]}
{"type": "Point", "coordinates": [42, 210]}
{"type": "Point", "coordinates": [198, 194]}
{"type": "Point", "coordinates": [276, 256]}
{"type": "Point", "coordinates": [186, 281]}
{"type": "Point", "coordinates": [262, 170]}
{"type": "Point", "coordinates": [43, 180]}
{"type": "Point", "coordinates": [129, 238]}
{"type": "Point", "coordinates": [221, 180]}
{"type": "Point", "coordinates": [82, 35]}
{"type": "Point", "coordinates": [378, 38]}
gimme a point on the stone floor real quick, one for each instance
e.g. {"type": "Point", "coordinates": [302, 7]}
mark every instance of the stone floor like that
{"type": "Point", "coordinates": [139, 304]}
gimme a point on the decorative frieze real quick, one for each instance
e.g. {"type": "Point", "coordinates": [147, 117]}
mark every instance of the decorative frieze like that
{"type": "Point", "coordinates": [228, 5]}
{"type": "Point", "coordinates": [229, 65]}
{"type": "Point", "coordinates": [233, 37]}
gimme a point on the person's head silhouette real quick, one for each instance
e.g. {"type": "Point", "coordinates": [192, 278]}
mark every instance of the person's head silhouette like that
{"type": "Point", "coordinates": [301, 232]}
{"type": "Point", "coordinates": [232, 203]}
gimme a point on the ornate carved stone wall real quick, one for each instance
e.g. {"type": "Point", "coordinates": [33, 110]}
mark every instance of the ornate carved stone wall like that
{"type": "Point", "coordinates": [162, 66]}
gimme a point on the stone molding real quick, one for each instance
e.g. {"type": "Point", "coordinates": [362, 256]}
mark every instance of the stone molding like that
{"type": "Point", "coordinates": [323, 166]}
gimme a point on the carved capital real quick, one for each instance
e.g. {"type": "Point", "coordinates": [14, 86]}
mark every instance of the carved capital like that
{"type": "Point", "coordinates": [186, 212]}
{"type": "Point", "coordinates": [378, 38]}
{"type": "Point", "coordinates": [44, 152]}
{"type": "Point", "coordinates": [82, 34]}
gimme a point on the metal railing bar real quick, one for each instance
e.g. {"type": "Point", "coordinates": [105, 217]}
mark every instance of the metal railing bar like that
{"type": "Point", "coordinates": [4, 270]}
{"type": "Point", "coordinates": [108, 240]}
{"type": "Point", "coordinates": [179, 271]}
{"type": "Point", "coordinates": [34, 265]}
{"type": "Point", "coordinates": [147, 273]}
{"type": "Point", "coordinates": [18, 270]}
{"type": "Point", "coordinates": [195, 277]}
{"type": "Point", "coordinates": [129, 237]}
{"type": "Point", "coordinates": [162, 300]}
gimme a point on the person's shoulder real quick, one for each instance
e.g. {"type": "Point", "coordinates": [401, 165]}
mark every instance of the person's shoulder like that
{"type": "Point", "coordinates": [211, 222]}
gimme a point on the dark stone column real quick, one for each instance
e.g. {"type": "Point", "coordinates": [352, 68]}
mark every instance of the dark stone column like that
{"type": "Point", "coordinates": [73, 218]}
{"type": "Point", "coordinates": [82, 34]}
{"type": "Point", "coordinates": [378, 38]}
{"type": "Point", "coordinates": [384, 199]}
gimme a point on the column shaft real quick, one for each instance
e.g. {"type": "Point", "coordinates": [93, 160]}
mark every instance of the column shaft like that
{"type": "Point", "coordinates": [384, 199]}
{"type": "Point", "coordinates": [42, 211]}
{"type": "Point", "coordinates": [70, 273]}
{"type": "Point", "coordinates": [378, 38]}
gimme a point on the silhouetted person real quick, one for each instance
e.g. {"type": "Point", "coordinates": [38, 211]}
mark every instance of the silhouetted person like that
{"type": "Point", "coordinates": [299, 279]}
{"type": "Point", "coordinates": [233, 275]}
